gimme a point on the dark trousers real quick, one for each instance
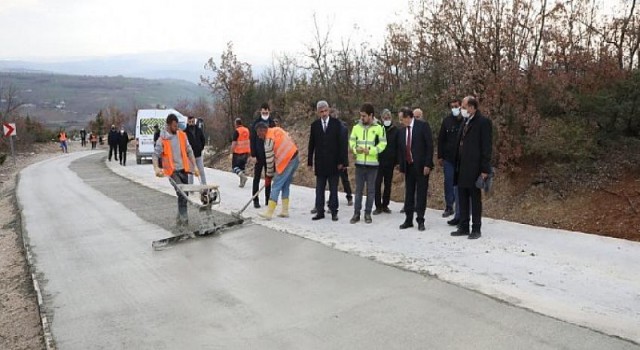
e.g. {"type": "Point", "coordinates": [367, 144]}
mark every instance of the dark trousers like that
{"type": "Point", "coordinates": [385, 176]}
{"type": "Point", "coordinates": [113, 149]}
{"type": "Point", "coordinates": [415, 193]}
{"type": "Point", "coordinates": [464, 194]}
{"type": "Point", "coordinates": [346, 185]}
{"type": "Point", "coordinates": [123, 155]}
{"type": "Point", "coordinates": [321, 185]}
{"type": "Point", "coordinates": [83, 142]}
{"type": "Point", "coordinates": [181, 177]}
{"type": "Point", "coordinates": [93, 144]}
{"type": "Point", "coordinates": [239, 162]}
{"type": "Point", "coordinates": [259, 168]}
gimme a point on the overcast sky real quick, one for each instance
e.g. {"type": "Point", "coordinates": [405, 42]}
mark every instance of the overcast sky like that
{"type": "Point", "coordinates": [59, 29]}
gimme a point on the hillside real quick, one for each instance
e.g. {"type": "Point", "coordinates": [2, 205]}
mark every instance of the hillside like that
{"type": "Point", "coordinates": [71, 100]}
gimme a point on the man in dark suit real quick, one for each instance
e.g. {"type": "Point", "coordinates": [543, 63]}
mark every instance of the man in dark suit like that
{"type": "Point", "coordinates": [473, 160]}
{"type": "Point", "coordinates": [257, 154]}
{"type": "Point", "coordinates": [415, 159]}
{"type": "Point", "coordinates": [328, 152]}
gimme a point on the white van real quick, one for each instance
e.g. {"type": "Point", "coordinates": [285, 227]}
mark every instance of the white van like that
{"type": "Point", "coordinates": [146, 120]}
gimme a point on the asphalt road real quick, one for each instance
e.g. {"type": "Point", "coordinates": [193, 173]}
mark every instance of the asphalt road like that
{"type": "Point", "coordinates": [248, 288]}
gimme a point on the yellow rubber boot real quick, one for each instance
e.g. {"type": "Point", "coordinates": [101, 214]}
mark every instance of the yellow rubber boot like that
{"type": "Point", "coordinates": [268, 214]}
{"type": "Point", "coordinates": [285, 208]}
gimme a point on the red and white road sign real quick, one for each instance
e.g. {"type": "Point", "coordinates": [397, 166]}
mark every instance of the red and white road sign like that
{"type": "Point", "coordinates": [9, 129]}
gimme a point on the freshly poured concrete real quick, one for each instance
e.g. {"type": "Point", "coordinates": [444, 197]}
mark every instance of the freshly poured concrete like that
{"type": "Point", "coordinates": [250, 288]}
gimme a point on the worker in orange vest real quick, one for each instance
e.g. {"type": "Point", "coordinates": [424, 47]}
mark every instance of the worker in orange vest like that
{"type": "Point", "coordinates": [178, 161]}
{"type": "Point", "coordinates": [241, 150]}
{"type": "Point", "coordinates": [62, 137]}
{"type": "Point", "coordinates": [281, 162]}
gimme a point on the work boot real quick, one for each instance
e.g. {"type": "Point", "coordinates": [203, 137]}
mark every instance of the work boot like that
{"type": "Point", "coordinates": [378, 211]}
{"type": "Point", "coordinates": [367, 218]}
{"type": "Point", "coordinates": [268, 214]}
{"type": "Point", "coordinates": [243, 179]}
{"type": "Point", "coordinates": [447, 212]}
{"type": "Point", "coordinates": [355, 218]}
{"type": "Point", "coordinates": [285, 208]}
{"type": "Point", "coordinates": [182, 220]}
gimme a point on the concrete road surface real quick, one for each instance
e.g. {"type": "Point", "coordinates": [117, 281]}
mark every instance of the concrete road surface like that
{"type": "Point", "coordinates": [249, 288]}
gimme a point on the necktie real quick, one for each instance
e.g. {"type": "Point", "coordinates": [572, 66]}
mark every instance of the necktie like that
{"type": "Point", "coordinates": [408, 148]}
{"type": "Point", "coordinates": [324, 125]}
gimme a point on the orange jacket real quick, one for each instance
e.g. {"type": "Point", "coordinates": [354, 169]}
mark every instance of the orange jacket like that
{"type": "Point", "coordinates": [63, 136]}
{"type": "Point", "coordinates": [242, 144]}
{"type": "Point", "coordinates": [279, 149]}
{"type": "Point", "coordinates": [167, 154]}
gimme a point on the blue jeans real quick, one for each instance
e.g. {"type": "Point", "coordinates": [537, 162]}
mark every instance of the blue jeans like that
{"type": "Point", "coordinates": [282, 182]}
{"type": "Point", "coordinates": [365, 176]}
{"type": "Point", "coordinates": [449, 193]}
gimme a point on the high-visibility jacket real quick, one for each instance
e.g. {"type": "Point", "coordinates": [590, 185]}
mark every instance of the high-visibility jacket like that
{"type": "Point", "coordinates": [63, 136]}
{"type": "Point", "coordinates": [372, 137]}
{"type": "Point", "coordinates": [242, 144]}
{"type": "Point", "coordinates": [279, 149]}
{"type": "Point", "coordinates": [167, 154]}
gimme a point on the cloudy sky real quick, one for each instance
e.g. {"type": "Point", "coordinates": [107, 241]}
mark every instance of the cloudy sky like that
{"type": "Point", "coordinates": [61, 29]}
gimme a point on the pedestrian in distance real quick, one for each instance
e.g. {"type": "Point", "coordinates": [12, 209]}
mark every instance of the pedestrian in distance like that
{"type": "Point", "coordinates": [447, 145]}
{"type": "Point", "coordinates": [197, 140]}
{"type": "Point", "coordinates": [113, 141]}
{"type": "Point", "coordinates": [473, 165]}
{"type": "Point", "coordinates": [178, 161]}
{"type": "Point", "coordinates": [415, 153]}
{"type": "Point", "coordinates": [257, 153]}
{"type": "Point", "coordinates": [366, 142]}
{"type": "Point", "coordinates": [327, 154]}
{"type": "Point", "coordinates": [123, 143]}
{"type": "Point", "coordinates": [240, 151]}
{"type": "Point", "coordinates": [387, 160]}
{"type": "Point", "coordinates": [281, 164]}
{"type": "Point", "coordinates": [156, 133]}
{"type": "Point", "coordinates": [417, 113]}
{"type": "Point", "coordinates": [83, 137]}
{"type": "Point", "coordinates": [62, 138]}
{"type": "Point", "coordinates": [93, 138]}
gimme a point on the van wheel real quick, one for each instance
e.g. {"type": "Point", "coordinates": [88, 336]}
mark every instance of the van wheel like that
{"type": "Point", "coordinates": [138, 160]}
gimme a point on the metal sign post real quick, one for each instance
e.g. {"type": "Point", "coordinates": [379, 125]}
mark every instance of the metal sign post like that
{"type": "Point", "coordinates": [10, 131]}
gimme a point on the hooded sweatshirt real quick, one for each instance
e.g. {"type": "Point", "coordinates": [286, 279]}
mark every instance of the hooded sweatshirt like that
{"type": "Point", "coordinates": [175, 148]}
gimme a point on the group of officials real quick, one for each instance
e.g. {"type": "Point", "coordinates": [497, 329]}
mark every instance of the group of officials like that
{"type": "Point", "coordinates": [378, 147]}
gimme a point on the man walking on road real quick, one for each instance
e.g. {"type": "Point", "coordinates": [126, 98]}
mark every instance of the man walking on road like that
{"type": "Point", "coordinates": [388, 161]}
{"type": "Point", "coordinates": [62, 137]}
{"type": "Point", "coordinates": [196, 138]}
{"type": "Point", "coordinates": [473, 165]}
{"type": "Point", "coordinates": [328, 152]}
{"type": "Point", "coordinates": [415, 149]}
{"type": "Point", "coordinates": [83, 137]}
{"type": "Point", "coordinates": [447, 144]}
{"type": "Point", "coordinates": [367, 141]}
{"type": "Point", "coordinates": [113, 140]}
{"type": "Point", "coordinates": [281, 164]}
{"type": "Point", "coordinates": [257, 153]}
{"type": "Point", "coordinates": [177, 161]}
{"type": "Point", "coordinates": [240, 151]}
{"type": "Point", "coordinates": [123, 142]}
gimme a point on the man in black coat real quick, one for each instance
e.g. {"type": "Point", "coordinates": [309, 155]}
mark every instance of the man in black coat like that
{"type": "Point", "coordinates": [473, 160]}
{"type": "Point", "coordinates": [113, 139]}
{"type": "Point", "coordinates": [196, 138]}
{"type": "Point", "coordinates": [415, 158]}
{"type": "Point", "coordinates": [447, 145]}
{"type": "Point", "coordinates": [257, 154]}
{"type": "Point", "coordinates": [123, 141]}
{"type": "Point", "coordinates": [328, 152]}
{"type": "Point", "coordinates": [387, 160]}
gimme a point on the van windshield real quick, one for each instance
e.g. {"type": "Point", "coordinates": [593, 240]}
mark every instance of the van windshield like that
{"type": "Point", "coordinates": [147, 124]}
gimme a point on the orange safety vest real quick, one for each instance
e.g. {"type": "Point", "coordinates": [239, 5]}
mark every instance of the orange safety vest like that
{"type": "Point", "coordinates": [167, 154]}
{"type": "Point", "coordinates": [63, 136]}
{"type": "Point", "coordinates": [242, 144]}
{"type": "Point", "coordinates": [283, 147]}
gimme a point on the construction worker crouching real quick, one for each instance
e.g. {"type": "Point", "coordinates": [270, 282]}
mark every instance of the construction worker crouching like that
{"type": "Point", "coordinates": [177, 161]}
{"type": "Point", "coordinates": [282, 162]}
{"type": "Point", "coordinates": [241, 150]}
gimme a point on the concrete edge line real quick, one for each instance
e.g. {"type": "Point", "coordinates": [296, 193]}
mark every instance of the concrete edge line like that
{"type": "Point", "coordinates": [46, 327]}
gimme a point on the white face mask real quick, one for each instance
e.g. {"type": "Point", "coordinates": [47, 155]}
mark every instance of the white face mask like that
{"type": "Point", "coordinates": [455, 111]}
{"type": "Point", "coordinates": [386, 122]}
{"type": "Point", "coordinates": [122, 131]}
{"type": "Point", "coordinates": [465, 113]}
{"type": "Point", "coordinates": [264, 117]}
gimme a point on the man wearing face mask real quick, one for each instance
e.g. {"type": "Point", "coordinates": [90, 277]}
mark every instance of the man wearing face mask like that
{"type": "Point", "coordinates": [196, 138]}
{"type": "Point", "coordinates": [387, 160]}
{"type": "Point", "coordinates": [473, 161]}
{"type": "Point", "coordinates": [447, 143]}
{"type": "Point", "coordinates": [123, 141]}
{"type": "Point", "coordinates": [257, 154]}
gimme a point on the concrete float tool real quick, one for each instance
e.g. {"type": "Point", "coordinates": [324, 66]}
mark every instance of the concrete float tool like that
{"type": "Point", "coordinates": [209, 195]}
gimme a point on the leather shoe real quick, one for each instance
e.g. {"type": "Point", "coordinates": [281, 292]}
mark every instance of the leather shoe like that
{"type": "Point", "coordinates": [386, 210]}
{"type": "Point", "coordinates": [256, 205]}
{"type": "Point", "coordinates": [318, 217]}
{"type": "Point", "coordinates": [474, 235]}
{"type": "Point", "coordinates": [421, 226]}
{"type": "Point", "coordinates": [314, 210]}
{"type": "Point", "coordinates": [367, 218]}
{"type": "Point", "coordinates": [459, 232]}
{"type": "Point", "coordinates": [453, 222]}
{"type": "Point", "coordinates": [355, 218]}
{"type": "Point", "coordinates": [406, 225]}
{"type": "Point", "coordinates": [378, 211]}
{"type": "Point", "coordinates": [334, 217]}
{"type": "Point", "coordinates": [447, 212]}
